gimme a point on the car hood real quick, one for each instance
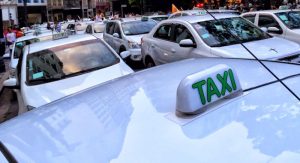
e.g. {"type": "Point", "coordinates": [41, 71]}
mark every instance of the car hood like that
{"type": "Point", "coordinates": [272, 48]}
{"type": "Point", "coordinates": [45, 93]}
{"type": "Point", "coordinates": [135, 38]}
{"type": "Point", "coordinates": [133, 119]}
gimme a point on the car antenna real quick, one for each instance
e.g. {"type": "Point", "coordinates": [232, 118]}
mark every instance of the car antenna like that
{"type": "Point", "coordinates": [241, 43]}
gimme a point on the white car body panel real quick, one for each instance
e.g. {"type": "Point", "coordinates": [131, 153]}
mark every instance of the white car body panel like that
{"type": "Point", "coordinates": [124, 122]}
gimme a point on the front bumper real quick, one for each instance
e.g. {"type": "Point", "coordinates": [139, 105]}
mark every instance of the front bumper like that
{"type": "Point", "coordinates": [135, 54]}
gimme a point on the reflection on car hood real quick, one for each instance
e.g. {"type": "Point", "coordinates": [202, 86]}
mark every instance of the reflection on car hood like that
{"type": "Point", "coordinates": [132, 119]}
{"type": "Point", "coordinates": [273, 48]}
{"type": "Point", "coordinates": [51, 91]}
{"type": "Point", "coordinates": [135, 38]}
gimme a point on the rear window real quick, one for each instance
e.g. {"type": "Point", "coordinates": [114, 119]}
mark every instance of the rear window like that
{"type": "Point", "coordinates": [138, 27]}
{"type": "Point", "coordinates": [67, 61]}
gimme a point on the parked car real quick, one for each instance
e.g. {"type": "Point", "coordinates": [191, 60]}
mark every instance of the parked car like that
{"type": "Point", "coordinates": [19, 44]}
{"type": "Point", "coordinates": [125, 35]}
{"type": "Point", "coordinates": [281, 23]}
{"type": "Point", "coordinates": [96, 29]}
{"type": "Point", "coordinates": [202, 36]}
{"type": "Point", "coordinates": [142, 118]}
{"type": "Point", "coordinates": [54, 69]}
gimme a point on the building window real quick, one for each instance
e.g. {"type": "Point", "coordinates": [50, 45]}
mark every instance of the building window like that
{"type": "Point", "coordinates": [42, 1]}
{"type": "Point", "coordinates": [35, 1]}
{"type": "Point", "coordinates": [20, 1]}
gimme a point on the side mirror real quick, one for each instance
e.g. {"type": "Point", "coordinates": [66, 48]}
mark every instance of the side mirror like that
{"type": "Point", "coordinates": [116, 35]}
{"type": "Point", "coordinates": [125, 54]}
{"type": "Point", "coordinates": [187, 43]}
{"type": "Point", "coordinates": [264, 29]}
{"type": "Point", "coordinates": [11, 83]}
{"type": "Point", "coordinates": [274, 30]}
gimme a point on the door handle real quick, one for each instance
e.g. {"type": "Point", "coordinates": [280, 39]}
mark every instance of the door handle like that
{"type": "Point", "coordinates": [173, 50]}
{"type": "Point", "coordinates": [152, 46]}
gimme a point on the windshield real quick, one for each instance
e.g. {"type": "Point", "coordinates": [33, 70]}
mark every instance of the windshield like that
{"type": "Point", "coordinates": [137, 27]}
{"type": "Point", "coordinates": [67, 60]}
{"type": "Point", "coordinates": [214, 35]}
{"type": "Point", "coordinates": [290, 19]}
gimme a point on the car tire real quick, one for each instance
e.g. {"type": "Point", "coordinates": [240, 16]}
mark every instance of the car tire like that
{"type": "Point", "coordinates": [149, 62]}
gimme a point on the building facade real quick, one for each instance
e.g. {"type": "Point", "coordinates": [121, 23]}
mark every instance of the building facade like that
{"type": "Point", "coordinates": [9, 12]}
{"type": "Point", "coordinates": [70, 9]}
{"type": "Point", "coordinates": [36, 11]}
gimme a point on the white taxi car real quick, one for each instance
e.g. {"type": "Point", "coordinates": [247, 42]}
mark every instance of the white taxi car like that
{"type": "Point", "coordinates": [51, 70]}
{"type": "Point", "coordinates": [200, 110]}
{"type": "Point", "coordinates": [199, 11]}
{"type": "Point", "coordinates": [125, 35]}
{"type": "Point", "coordinates": [202, 36]}
{"type": "Point", "coordinates": [281, 23]}
{"type": "Point", "coordinates": [96, 29]}
{"type": "Point", "coordinates": [23, 41]}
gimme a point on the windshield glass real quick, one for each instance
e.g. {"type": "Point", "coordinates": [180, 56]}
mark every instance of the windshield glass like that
{"type": "Point", "coordinates": [67, 60]}
{"type": "Point", "coordinates": [137, 27]}
{"type": "Point", "coordinates": [290, 19]}
{"type": "Point", "coordinates": [214, 34]}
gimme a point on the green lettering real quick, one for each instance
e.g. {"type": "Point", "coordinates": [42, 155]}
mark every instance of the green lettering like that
{"type": "Point", "coordinates": [199, 85]}
{"type": "Point", "coordinates": [211, 89]}
{"type": "Point", "coordinates": [223, 81]}
{"type": "Point", "coordinates": [231, 76]}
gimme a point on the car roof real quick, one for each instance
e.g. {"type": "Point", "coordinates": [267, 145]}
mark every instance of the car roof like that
{"type": "Point", "coordinates": [270, 11]}
{"type": "Point", "coordinates": [31, 36]}
{"type": "Point", "coordinates": [133, 119]}
{"type": "Point", "coordinates": [128, 19]}
{"type": "Point", "coordinates": [53, 43]}
{"type": "Point", "coordinates": [205, 17]}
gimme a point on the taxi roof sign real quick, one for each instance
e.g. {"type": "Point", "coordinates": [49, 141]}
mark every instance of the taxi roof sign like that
{"type": "Point", "coordinates": [198, 91]}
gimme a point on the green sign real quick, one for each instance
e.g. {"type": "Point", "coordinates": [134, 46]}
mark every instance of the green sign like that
{"type": "Point", "coordinates": [211, 86]}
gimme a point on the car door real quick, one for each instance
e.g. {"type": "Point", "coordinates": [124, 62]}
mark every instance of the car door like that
{"type": "Point", "coordinates": [181, 32]}
{"type": "Point", "coordinates": [117, 41]}
{"type": "Point", "coordinates": [266, 20]}
{"type": "Point", "coordinates": [160, 46]}
{"type": "Point", "coordinates": [250, 17]}
{"type": "Point", "coordinates": [108, 34]}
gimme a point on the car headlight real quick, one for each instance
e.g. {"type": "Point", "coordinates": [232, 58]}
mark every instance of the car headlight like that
{"type": "Point", "coordinates": [134, 45]}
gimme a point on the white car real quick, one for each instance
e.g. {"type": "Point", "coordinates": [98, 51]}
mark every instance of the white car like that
{"type": "Point", "coordinates": [54, 69]}
{"type": "Point", "coordinates": [125, 35]}
{"type": "Point", "coordinates": [202, 36]}
{"type": "Point", "coordinates": [199, 12]}
{"type": "Point", "coordinates": [96, 29]}
{"type": "Point", "coordinates": [248, 117]}
{"type": "Point", "coordinates": [19, 45]}
{"type": "Point", "coordinates": [281, 23]}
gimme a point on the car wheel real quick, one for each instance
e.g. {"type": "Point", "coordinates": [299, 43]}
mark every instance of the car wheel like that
{"type": "Point", "coordinates": [149, 62]}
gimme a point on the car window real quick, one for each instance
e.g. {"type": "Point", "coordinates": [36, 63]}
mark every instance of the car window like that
{"type": "Point", "coordinates": [164, 32]}
{"type": "Point", "coordinates": [68, 60]}
{"type": "Point", "coordinates": [267, 21]}
{"type": "Point", "coordinates": [89, 29]}
{"type": "Point", "coordinates": [21, 44]}
{"type": "Point", "coordinates": [228, 31]}
{"type": "Point", "coordinates": [138, 27]}
{"type": "Point", "coordinates": [181, 33]}
{"type": "Point", "coordinates": [251, 18]}
{"type": "Point", "coordinates": [185, 14]}
{"type": "Point", "coordinates": [110, 28]}
{"type": "Point", "coordinates": [291, 19]}
{"type": "Point", "coordinates": [117, 29]}
{"type": "Point", "coordinates": [160, 18]}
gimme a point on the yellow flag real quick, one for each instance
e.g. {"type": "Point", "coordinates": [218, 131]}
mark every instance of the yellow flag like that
{"type": "Point", "coordinates": [174, 8]}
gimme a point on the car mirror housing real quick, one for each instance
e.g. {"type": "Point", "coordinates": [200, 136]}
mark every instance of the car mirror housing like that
{"type": "Point", "coordinates": [116, 35]}
{"type": "Point", "coordinates": [11, 83]}
{"type": "Point", "coordinates": [187, 43]}
{"type": "Point", "coordinates": [125, 54]}
{"type": "Point", "coordinates": [274, 30]}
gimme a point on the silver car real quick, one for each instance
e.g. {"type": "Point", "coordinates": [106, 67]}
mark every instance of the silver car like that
{"type": "Point", "coordinates": [202, 36]}
{"type": "Point", "coordinates": [125, 35]}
